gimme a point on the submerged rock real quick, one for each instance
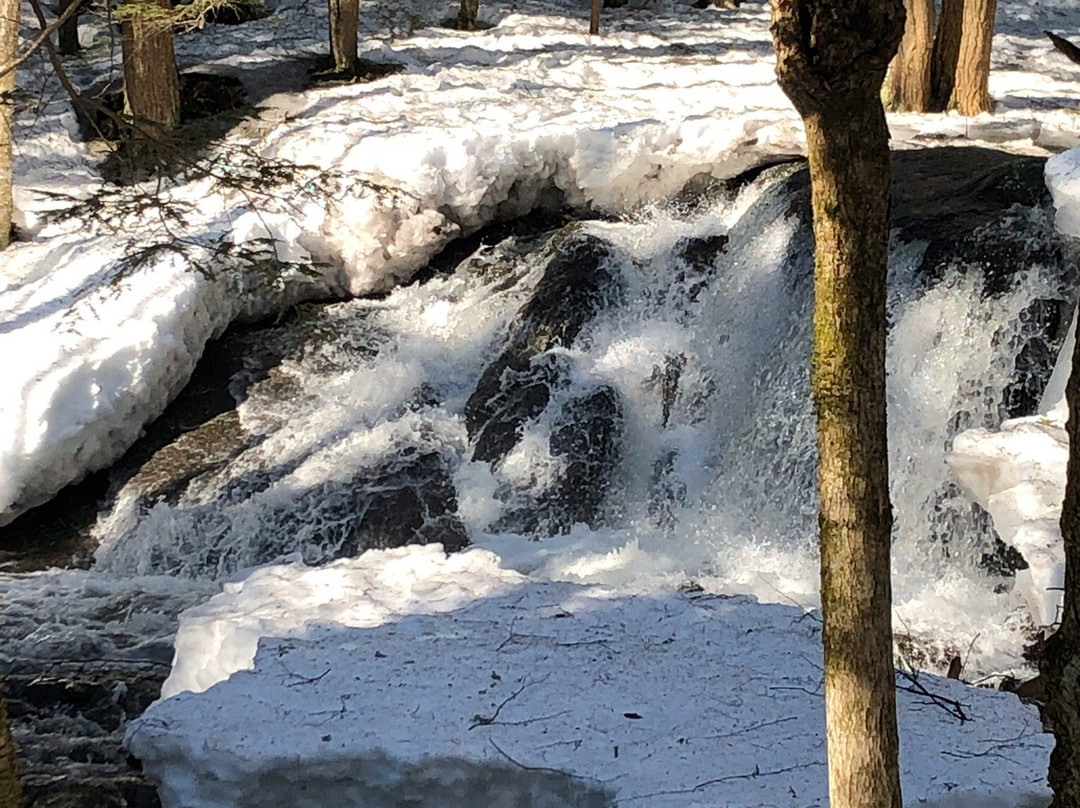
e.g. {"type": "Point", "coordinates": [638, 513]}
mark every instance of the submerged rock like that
{"type": "Point", "coordinates": [526, 380]}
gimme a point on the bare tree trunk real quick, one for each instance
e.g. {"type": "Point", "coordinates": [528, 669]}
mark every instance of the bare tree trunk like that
{"type": "Point", "coordinates": [594, 17]}
{"type": "Point", "coordinates": [151, 82]}
{"type": "Point", "coordinates": [950, 26]}
{"type": "Point", "coordinates": [909, 78]}
{"type": "Point", "coordinates": [69, 30]}
{"type": "Point", "coordinates": [9, 44]}
{"type": "Point", "coordinates": [971, 95]}
{"type": "Point", "coordinates": [466, 18]}
{"type": "Point", "coordinates": [1060, 666]}
{"type": "Point", "coordinates": [10, 790]}
{"type": "Point", "coordinates": [344, 24]}
{"type": "Point", "coordinates": [832, 56]}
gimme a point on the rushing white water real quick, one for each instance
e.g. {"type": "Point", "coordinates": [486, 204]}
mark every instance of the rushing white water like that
{"type": "Point", "coordinates": [716, 479]}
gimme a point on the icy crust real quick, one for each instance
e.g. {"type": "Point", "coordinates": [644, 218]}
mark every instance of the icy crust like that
{"type": "Point", "coordinates": [454, 682]}
{"type": "Point", "coordinates": [1017, 473]}
{"type": "Point", "coordinates": [220, 636]}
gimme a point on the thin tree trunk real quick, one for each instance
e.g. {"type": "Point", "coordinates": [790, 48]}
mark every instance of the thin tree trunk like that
{"type": "Point", "coordinates": [950, 26]}
{"type": "Point", "coordinates": [594, 17]}
{"type": "Point", "coordinates": [151, 82]}
{"type": "Point", "coordinates": [10, 790]}
{"type": "Point", "coordinates": [9, 43]}
{"type": "Point", "coordinates": [832, 56]}
{"type": "Point", "coordinates": [69, 30]}
{"type": "Point", "coordinates": [1060, 666]}
{"type": "Point", "coordinates": [466, 18]}
{"type": "Point", "coordinates": [971, 95]}
{"type": "Point", "coordinates": [909, 78]}
{"type": "Point", "coordinates": [344, 24]}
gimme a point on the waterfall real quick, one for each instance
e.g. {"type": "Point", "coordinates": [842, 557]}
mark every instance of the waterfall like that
{"type": "Point", "coordinates": [693, 374]}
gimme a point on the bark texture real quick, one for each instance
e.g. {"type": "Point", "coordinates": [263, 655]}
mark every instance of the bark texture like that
{"type": "Point", "coordinates": [466, 18]}
{"type": "Point", "coordinates": [946, 54]}
{"type": "Point", "coordinates": [1060, 667]}
{"type": "Point", "coordinates": [909, 80]}
{"type": "Point", "coordinates": [10, 790]}
{"type": "Point", "coordinates": [151, 82]}
{"type": "Point", "coordinates": [594, 16]}
{"type": "Point", "coordinates": [971, 93]}
{"type": "Point", "coordinates": [832, 56]}
{"type": "Point", "coordinates": [344, 24]}
{"type": "Point", "coordinates": [9, 43]}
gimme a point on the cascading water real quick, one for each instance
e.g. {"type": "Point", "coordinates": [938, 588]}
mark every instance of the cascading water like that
{"type": "Point", "coordinates": [679, 412]}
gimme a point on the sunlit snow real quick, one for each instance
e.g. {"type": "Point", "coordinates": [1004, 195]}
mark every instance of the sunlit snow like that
{"type": "Point", "coordinates": [627, 663]}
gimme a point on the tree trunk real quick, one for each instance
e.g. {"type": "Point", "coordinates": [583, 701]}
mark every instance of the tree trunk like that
{"type": "Point", "coordinates": [466, 18]}
{"type": "Point", "coordinates": [344, 23]}
{"type": "Point", "coordinates": [909, 85]}
{"type": "Point", "coordinates": [151, 83]}
{"type": "Point", "coordinates": [9, 44]}
{"type": "Point", "coordinates": [69, 30]}
{"type": "Point", "coordinates": [950, 25]}
{"type": "Point", "coordinates": [10, 791]}
{"type": "Point", "coordinates": [594, 17]}
{"type": "Point", "coordinates": [1060, 666]}
{"type": "Point", "coordinates": [971, 95]}
{"type": "Point", "coordinates": [832, 56]}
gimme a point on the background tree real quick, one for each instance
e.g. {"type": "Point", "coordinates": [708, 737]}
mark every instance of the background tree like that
{"type": "Point", "coordinates": [1060, 665]}
{"type": "Point", "coordinates": [831, 60]}
{"type": "Point", "coordinates": [9, 43]}
{"type": "Point", "coordinates": [69, 29]}
{"type": "Point", "coordinates": [594, 17]}
{"type": "Point", "coordinates": [971, 92]}
{"type": "Point", "coordinates": [909, 79]}
{"type": "Point", "coordinates": [946, 65]}
{"type": "Point", "coordinates": [946, 54]}
{"type": "Point", "coordinates": [344, 24]}
{"type": "Point", "coordinates": [10, 790]}
{"type": "Point", "coordinates": [151, 81]}
{"type": "Point", "coordinates": [466, 18]}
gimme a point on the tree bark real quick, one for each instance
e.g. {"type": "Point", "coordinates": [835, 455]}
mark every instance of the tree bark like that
{"type": "Point", "coordinates": [151, 82]}
{"type": "Point", "coordinates": [1060, 666]}
{"type": "Point", "coordinates": [344, 24]}
{"type": "Point", "coordinates": [971, 95]}
{"type": "Point", "coordinates": [466, 18]}
{"type": "Point", "coordinates": [9, 44]}
{"type": "Point", "coordinates": [10, 790]}
{"type": "Point", "coordinates": [832, 56]}
{"type": "Point", "coordinates": [946, 54]}
{"type": "Point", "coordinates": [69, 30]}
{"type": "Point", "coordinates": [909, 84]}
{"type": "Point", "coordinates": [594, 16]}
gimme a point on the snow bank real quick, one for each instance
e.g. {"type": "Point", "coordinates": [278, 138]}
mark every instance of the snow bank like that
{"type": "Point", "coordinates": [385, 676]}
{"type": "Point", "coordinates": [220, 637]}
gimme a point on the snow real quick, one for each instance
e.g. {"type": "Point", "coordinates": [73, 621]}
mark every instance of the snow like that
{"type": "Point", "coordinates": [499, 671]}
{"type": "Point", "coordinates": [405, 676]}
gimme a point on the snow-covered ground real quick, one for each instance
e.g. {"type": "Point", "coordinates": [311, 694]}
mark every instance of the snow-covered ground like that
{"type": "Point", "coordinates": [433, 681]}
{"type": "Point", "coordinates": [401, 674]}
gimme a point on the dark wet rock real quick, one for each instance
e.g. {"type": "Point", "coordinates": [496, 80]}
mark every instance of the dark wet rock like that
{"type": "Point", "coordinates": [410, 501]}
{"type": "Point", "coordinates": [68, 720]}
{"type": "Point", "coordinates": [577, 284]}
{"type": "Point", "coordinates": [587, 436]}
{"type": "Point", "coordinates": [205, 449]}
